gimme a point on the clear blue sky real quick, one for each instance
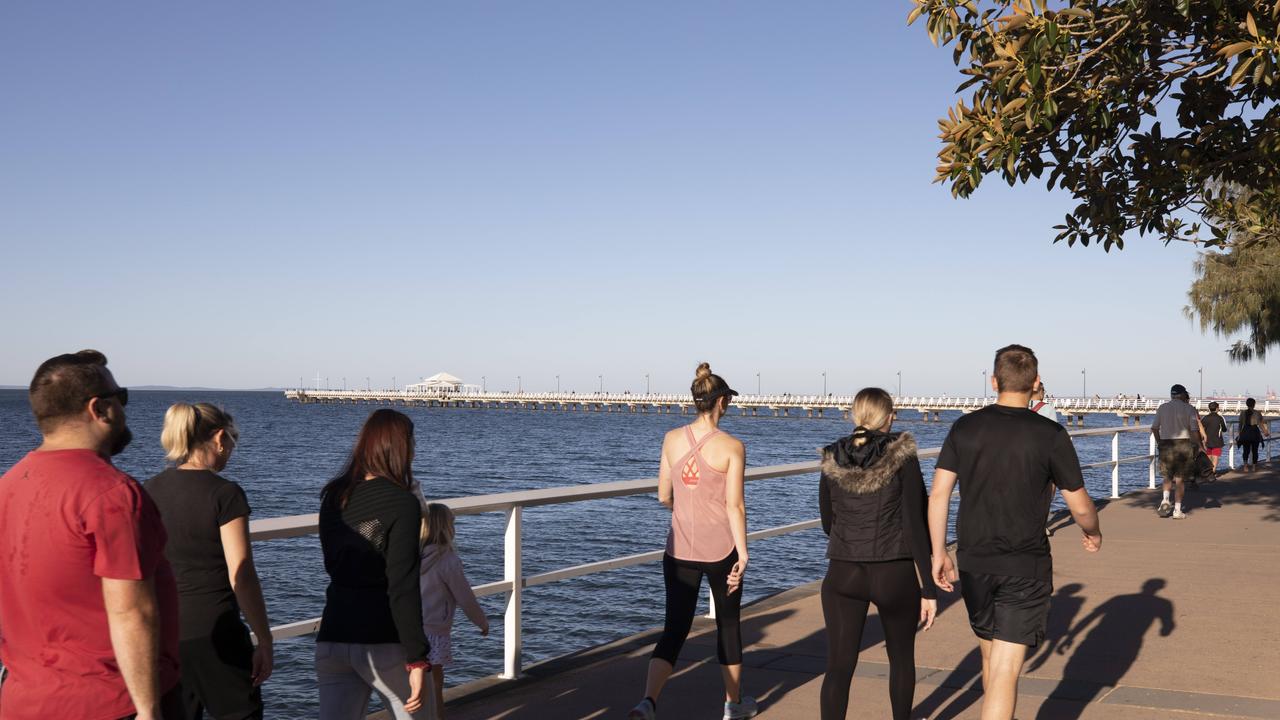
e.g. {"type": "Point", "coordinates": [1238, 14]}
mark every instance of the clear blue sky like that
{"type": "Point", "coordinates": [240, 194]}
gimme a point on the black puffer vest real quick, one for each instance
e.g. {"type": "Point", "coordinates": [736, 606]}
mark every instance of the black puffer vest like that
{"type": "Point", "coordinates": [862, 497]}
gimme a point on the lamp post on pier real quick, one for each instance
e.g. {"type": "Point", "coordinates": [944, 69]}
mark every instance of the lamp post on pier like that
{"type": "Point", "coordinates": [601, 376]}
{"type": "Point", "coordinates": [757, 383]}
{"type": "Point", "coordinates": [984, 384]}
{"type": "Point", "coordinates": [1084, 384]}
{"type": "Point", "coordinates": [368, 384]}
{"type": "Point", "coordinates": [483, 385]}
{"type": "Point", "coordinates": [899, 383]}
{"type": "Point", "coordinates": [824, 383]}
{"type": "Point", "coordinates": [646, 383]}
{"type": "Point", "coordinates": [1201, 371]}
{"type": "Point", "coordinates": [557, 383]}
{"type": "Point", "coordinates": [519, 385]}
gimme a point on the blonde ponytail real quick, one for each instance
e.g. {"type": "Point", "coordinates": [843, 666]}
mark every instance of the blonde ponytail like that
{"type": "Point", "coordinates": [187, 427]}
{"type": "Point", "coordinates": [872, 407]}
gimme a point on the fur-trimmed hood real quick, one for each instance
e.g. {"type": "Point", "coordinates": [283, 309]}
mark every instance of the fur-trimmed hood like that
{"type": "Point", "coordinates": [869, 468]}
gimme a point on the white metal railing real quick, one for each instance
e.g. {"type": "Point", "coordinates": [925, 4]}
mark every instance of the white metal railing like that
{"type": "Point", "coordinates": [514, 581]}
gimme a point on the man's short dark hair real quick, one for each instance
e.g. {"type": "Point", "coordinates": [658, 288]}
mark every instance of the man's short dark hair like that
{"type": "Point", "coordinates": [63, 384]}
{"type": "Point", "coordinates": [1016, 369]}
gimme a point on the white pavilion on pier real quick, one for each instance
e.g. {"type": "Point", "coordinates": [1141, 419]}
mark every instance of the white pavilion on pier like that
{"type": "Point", "coordinates": [441, 382]}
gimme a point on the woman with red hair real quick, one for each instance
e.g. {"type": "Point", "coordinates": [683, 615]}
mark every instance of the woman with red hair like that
{"type": "Point", "coordinates": [371, 636]}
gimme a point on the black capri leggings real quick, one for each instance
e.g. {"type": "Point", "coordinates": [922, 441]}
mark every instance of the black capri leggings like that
{"type": "Point", "coordinates": [847, 590]}
{"type": "Point", "coordinates": [683, 579]}
{"type": "Point", "coordinates": [1249, 450]}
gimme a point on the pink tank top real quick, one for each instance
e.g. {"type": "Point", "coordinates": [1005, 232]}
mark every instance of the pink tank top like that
{"type": "Point", "coordinates": [699, 522]}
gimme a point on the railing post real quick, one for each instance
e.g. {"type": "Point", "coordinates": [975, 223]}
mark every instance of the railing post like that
{"type": "Point", "coordinates": [513, 572]}
{"type": "Point", "coordinates": [1231, 453]}
{"type": "Point", "coordinates": [1151, 469]}
{"type": "Point", "coordinates": [1115, 464]}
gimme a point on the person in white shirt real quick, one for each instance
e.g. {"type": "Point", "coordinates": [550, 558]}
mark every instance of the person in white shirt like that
{"type": "Point", "coordinates": [1178, 435]}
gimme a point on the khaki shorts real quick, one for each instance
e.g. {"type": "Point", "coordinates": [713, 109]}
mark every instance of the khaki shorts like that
{"type": "Point", "coordinates": [1178, 459]}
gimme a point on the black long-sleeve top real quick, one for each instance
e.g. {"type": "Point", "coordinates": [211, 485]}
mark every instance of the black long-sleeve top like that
{"type": "Point", "coordinates": [371, 554]}
{"type": "Point", "coordinates": [873, 503]}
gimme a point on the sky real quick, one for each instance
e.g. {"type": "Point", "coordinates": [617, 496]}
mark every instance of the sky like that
{"type": "Point", "coordinates": [248, 195]}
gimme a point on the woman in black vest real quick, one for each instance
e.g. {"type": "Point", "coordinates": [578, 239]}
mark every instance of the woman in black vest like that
{"type": "Point", "coordinates": [873, 505]}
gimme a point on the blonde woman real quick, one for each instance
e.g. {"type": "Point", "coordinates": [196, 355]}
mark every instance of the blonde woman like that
{"type": "Point", "coordinates": [700, 479]}
{"type": "Point", "coordinates": [873, 505]}
{"type": "Point", "coordinates": [207, 519]}
{"type": "Point", "coordinates": [445, 588]}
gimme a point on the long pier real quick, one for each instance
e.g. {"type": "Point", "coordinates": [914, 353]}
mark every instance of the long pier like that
{"type": "Point", "coordinates": [786, 405]}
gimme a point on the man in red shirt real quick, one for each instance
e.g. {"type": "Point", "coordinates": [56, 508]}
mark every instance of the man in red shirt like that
{"type": "Point", "coordinates": [88, 605]}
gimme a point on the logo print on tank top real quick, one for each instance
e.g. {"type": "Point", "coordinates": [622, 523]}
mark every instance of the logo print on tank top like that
{"type": "Point", "coordinates": [689, 475]}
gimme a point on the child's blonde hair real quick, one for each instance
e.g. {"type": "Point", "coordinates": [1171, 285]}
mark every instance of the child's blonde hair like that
{"type": "Point", "coordinates": [437, 525]}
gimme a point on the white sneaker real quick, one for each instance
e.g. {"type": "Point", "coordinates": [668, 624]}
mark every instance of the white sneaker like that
{"type": "Point", "coordinates": [644, 710]}
{"type": "Point", "coordinates": [744, 708]}
{"type": "Point", "coordinates": [1178, 515]}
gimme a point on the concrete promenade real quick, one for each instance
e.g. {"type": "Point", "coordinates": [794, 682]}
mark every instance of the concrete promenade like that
{"type": "Point", "coordinates": [1173, 619]}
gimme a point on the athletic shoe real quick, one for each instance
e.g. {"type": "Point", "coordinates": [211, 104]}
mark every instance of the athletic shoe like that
{"type": "Point", "coordinates": [744, 708]}
{"type": "Point", "coordinates": [1165, 510]}
{"type": "Point", "coordinates": [644, 710]}
{"type": "Point", "coordinates": [1178, 515]}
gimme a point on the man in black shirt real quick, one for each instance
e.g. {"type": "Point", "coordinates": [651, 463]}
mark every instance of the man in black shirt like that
{"type": "Point", "coordinates": [1008, 460]}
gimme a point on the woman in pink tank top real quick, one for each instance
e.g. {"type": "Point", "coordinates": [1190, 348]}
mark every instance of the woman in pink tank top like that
{"type": "Point", "coordinates": [700, 480]}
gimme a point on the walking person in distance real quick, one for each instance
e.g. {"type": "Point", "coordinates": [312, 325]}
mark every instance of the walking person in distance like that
{"type": "Point", "coordinates": [873, 506]}
{"type": "Point", "coordinates": [1252, 432]}
{"type": "Point", "coordinates": [700, 478]}
{"type": "Point", "coordinates": [90, 631]}
{"type": "Point", "coordinates": [1007, 460]}
{"type": "Point", "coordinates": [208, 521]}
{"type": "Point", "coordinates": [1179, 436]}
{"type": "Point", "coordinates": [1215, 426]}
{"type": "Point", "coordinates": [371, 637]}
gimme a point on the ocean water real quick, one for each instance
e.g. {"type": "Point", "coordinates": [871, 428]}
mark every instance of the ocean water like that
{"type": "Point", "coordinates": [288, 451]}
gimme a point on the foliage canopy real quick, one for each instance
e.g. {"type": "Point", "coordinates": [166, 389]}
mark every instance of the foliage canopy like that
{"type": "Point", "coordinates": [1156, 115]}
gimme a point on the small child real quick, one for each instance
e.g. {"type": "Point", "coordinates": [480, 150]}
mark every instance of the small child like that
{"type": "Point", "coordinates": [444, 587]}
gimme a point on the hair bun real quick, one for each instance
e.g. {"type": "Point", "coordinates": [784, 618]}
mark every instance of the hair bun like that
{"type": "Point", "coordinates": [704, 370]}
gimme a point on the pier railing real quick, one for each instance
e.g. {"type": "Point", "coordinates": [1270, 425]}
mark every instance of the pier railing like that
{"type": "Point", "coordinates": [512, 504]}
{"type": "Point", "coordinates": [745, 404]}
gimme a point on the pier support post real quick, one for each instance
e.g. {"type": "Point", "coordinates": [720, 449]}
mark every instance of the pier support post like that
{"type": "Point", "coordinates": [513, 572]}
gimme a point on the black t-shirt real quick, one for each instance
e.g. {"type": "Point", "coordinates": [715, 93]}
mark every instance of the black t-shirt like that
{"type": "Point", "coordinates": [371, 552]}
{"type": "Point", "coordinates": [1007, 461]}
{"type": "Point", "coordinates": [1214, 426]}
{"type": "Point", "coordinates": [194, 505]}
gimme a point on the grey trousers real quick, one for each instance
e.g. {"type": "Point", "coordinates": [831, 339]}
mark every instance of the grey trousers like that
{"type": "Point", "coordinates": [349, 673]}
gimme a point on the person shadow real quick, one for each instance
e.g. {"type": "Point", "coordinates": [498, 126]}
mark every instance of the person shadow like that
{"type": "Point", "coordinates": [963, 686]}
{"type": "Point", "coordinates": [1109, 650]}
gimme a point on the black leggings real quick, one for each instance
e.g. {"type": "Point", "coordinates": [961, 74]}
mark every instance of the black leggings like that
{"type": "Point", "coordinates": [683, 579]}
{"type": "Point", "coordinates": [1249, 450]}
{"type": "Point", "coordinates": [847, 590]}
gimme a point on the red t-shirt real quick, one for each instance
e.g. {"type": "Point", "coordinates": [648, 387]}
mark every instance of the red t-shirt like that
{"type": "Point", "coordinates": [68, 518]}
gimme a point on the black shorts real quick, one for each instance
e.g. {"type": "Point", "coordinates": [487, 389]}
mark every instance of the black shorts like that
{"type": "Point", "coordinates": [1001, 607]}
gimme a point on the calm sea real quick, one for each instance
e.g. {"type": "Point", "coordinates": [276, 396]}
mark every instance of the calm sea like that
{"type": "Point", "coordinates": [287, 452]}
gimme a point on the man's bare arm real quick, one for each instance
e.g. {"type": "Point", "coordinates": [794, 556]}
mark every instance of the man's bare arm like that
{"type": "Point", "coordinates": [133, 617]}
{"type": "Point", "coordinates": [1085, 515]}
{"type": "Point", "coordinates": [944, 482]}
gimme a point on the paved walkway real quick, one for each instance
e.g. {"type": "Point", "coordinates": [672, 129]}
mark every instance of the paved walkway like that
{"type": "Point", "coordinates": [1173, 619]}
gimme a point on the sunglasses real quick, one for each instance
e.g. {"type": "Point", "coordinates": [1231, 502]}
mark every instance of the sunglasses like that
{"type": "Point", "coordinates": [121, 394]}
